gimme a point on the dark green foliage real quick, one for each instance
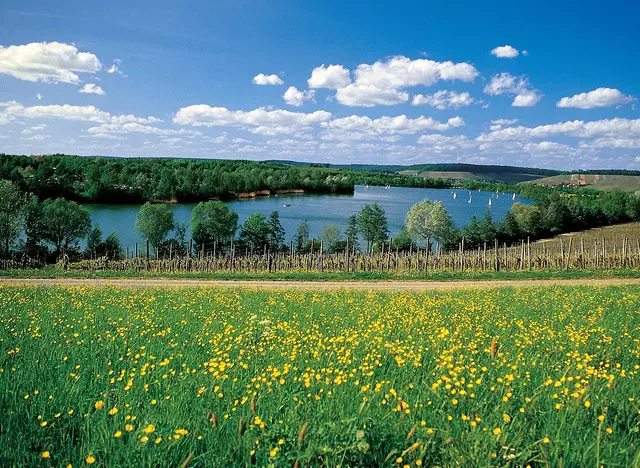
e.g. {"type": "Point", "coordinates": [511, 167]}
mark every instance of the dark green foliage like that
{"type": "Point", "coordinates": [63, 223]}
{"type": "Point", "coordinates": [372, 224]}
{"type": "Point", "coordinates": [94, 239]}
{"type": "Point", "coordinates": [254, 233]}
{"type": "Point", "coordinates": [402, 241]}
{"type": "Point", "coordinates": [213, 221]}
{"type": "Point", "coordinates": [275, 237]}
{"type": "Point", "coordinates": [154, 222]}
{"type": "Point", "coordinates": [351, 233]}
{"type": "Point", "coordinates": [302, 236]}
{"type": "Point", "coordinates": [13, 211]}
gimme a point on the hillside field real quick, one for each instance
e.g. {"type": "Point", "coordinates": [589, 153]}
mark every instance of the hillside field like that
{"type": "Point", "coordinates": [593, 181]}
{"type": "Point", "coordinates": [504, 177]}
{"type": "Point", "coordinates": [220, 377]}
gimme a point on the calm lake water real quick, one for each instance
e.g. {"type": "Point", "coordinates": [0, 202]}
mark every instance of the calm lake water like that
{"type": "Point", "coordinates": [320, 210]}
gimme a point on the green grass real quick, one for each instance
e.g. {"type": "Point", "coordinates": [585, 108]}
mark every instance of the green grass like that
{"type": "Point", "coordinates": [509, 377]}
{"type": "Point", "coordinates": [53, 272]}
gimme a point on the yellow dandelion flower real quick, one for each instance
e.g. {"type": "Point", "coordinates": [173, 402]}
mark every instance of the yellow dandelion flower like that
{"type": "Point", "coordinates": [497, 431]}
{"type": "Point", "coordinates": [46, 454]}
{"type": "Point", "coordinates": [99, 405]}
{"type": "Point", "coordinates": [90, 460]}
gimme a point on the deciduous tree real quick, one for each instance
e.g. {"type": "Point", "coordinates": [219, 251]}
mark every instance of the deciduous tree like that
{"type": "Point", "coordinates": [154, 222]}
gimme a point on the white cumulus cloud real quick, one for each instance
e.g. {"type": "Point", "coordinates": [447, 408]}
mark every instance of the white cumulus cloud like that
{"type": "Point", "coordinates": [295, 97]}
{"type": "Point", "coordinates": [443, 100]}
{"type": "Point", "coordinates": [601, 97]}
{"type": "Point", "coordinates": [16, 110]}
{"type": "Point", "coordinates": [399, 125]}
{"type": "Point", "coordinates": [506, 51]}
{"type": "Point", "coordinates": [91, 88]}
{"type": "Point", "coordinates": [505, 83]}
{"type": "Point", "coordinates": [49, 62]}
{"type": "Point", "coordinates": [359, 95]}
{"type": "Point", "coordinates": [610, 128]}
{"type": "Point", "coordinates": [263, 121]}
{"type": "Point", "coordinates": [265, 80]}
{"type": "Point", "coordinates": [330, 77]}
{"type": "Point", "coordinates": [382, 82]}
{"type": "Point", "coordinates": [402, 72]}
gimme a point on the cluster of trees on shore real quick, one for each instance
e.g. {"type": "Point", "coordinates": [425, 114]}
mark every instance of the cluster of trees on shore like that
{"type": "Point", "coordinates": [137, 180]}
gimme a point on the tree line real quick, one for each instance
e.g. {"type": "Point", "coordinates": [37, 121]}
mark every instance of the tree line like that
{"type": "Point", "coordinates": [137, 180]}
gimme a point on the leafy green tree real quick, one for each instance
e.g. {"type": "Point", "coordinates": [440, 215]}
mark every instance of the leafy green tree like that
{"type": "Point", "coordinates": [213, 221]}
{"type": "Point", "coordinates": [427, 219]}
{"type": "Point", "coordinates": [331, 237]}
{"type": "Point", "coordinates": [402, 241]}
{"type": "Point", "coordinates": [302, 235]}
{"type": "Point", "coordinates": [154, 222]}
{"type": "Point", "coordinates": [94, 241]}
{"type": "Point", "coordinates": [166, 189]}
{"type": "Point", "coordinates": [254, 233]}
{"type": "Point", "coordinates": [557, 217]}
{"type": "Point", "coordinates": [34, 229]}
{"type": "Point", "coordinates": [529, 219]}
{"type": "Point", "coordinates": [112, 246]}
{"type": "Point", "coordinates": [449, 236]}
{"type": "Point", "coordinates": [372, 224]}
{"type": "Point", "coordinates": [351, 233]}
{"type": "Point", "coordinates": [275, 238]}
{"type": "Point", "coordinates": [13, 212]}
{"type": "Point", "coordinates": [181, 236]}
{"type": "Point", "coordinates": [487, 230]}
{"type": "Point", "coordinates": [509, 229]}
{"type": "Point", "coordinates": [471, 233]}
{"type": "Point", "coordinates": [64, 222]}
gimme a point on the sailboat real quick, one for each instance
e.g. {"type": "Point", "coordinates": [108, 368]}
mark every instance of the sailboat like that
{"type": "Point", "coordinates": [454, 195]}
{"type": "Point", "coordinates": [489, 202]}
{"type": "Point", "coordinates": [514, 197]}
{"type": "Point", "coordinates": [470, 197]}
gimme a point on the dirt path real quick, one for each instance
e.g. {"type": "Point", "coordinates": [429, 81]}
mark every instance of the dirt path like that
{"type": "Point", "coordinates": [316, 285]}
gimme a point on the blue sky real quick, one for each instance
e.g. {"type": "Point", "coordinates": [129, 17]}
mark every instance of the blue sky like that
{"type": "Point", "coordinates": [549, 84]}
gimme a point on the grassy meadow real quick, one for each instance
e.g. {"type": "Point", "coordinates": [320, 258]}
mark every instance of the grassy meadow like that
{"type": "Point", "coordinates": [109, 376]}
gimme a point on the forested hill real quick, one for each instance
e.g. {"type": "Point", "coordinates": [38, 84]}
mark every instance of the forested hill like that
{"type": "Point", "coordinates": [135, 180]}
{"type": "Point", "coordinates": [435, 167]}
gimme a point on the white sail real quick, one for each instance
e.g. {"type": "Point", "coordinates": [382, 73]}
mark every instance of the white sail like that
{"type": "Point", "coordinates": [514, 197]}
{"type": "Point", "coordinates": [469, 197]}
{"type": "Point", "coordinates": [454, 195]}
{"type": "Point", "coordinates": [489, 201]}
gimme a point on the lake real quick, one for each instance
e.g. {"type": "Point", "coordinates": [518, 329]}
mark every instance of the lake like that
{"type": "Point", "coordinates": [319, 210]}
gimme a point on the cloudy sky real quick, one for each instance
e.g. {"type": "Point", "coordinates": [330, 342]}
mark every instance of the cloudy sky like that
{"type": "Point", "coordinates": [552, 84]}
